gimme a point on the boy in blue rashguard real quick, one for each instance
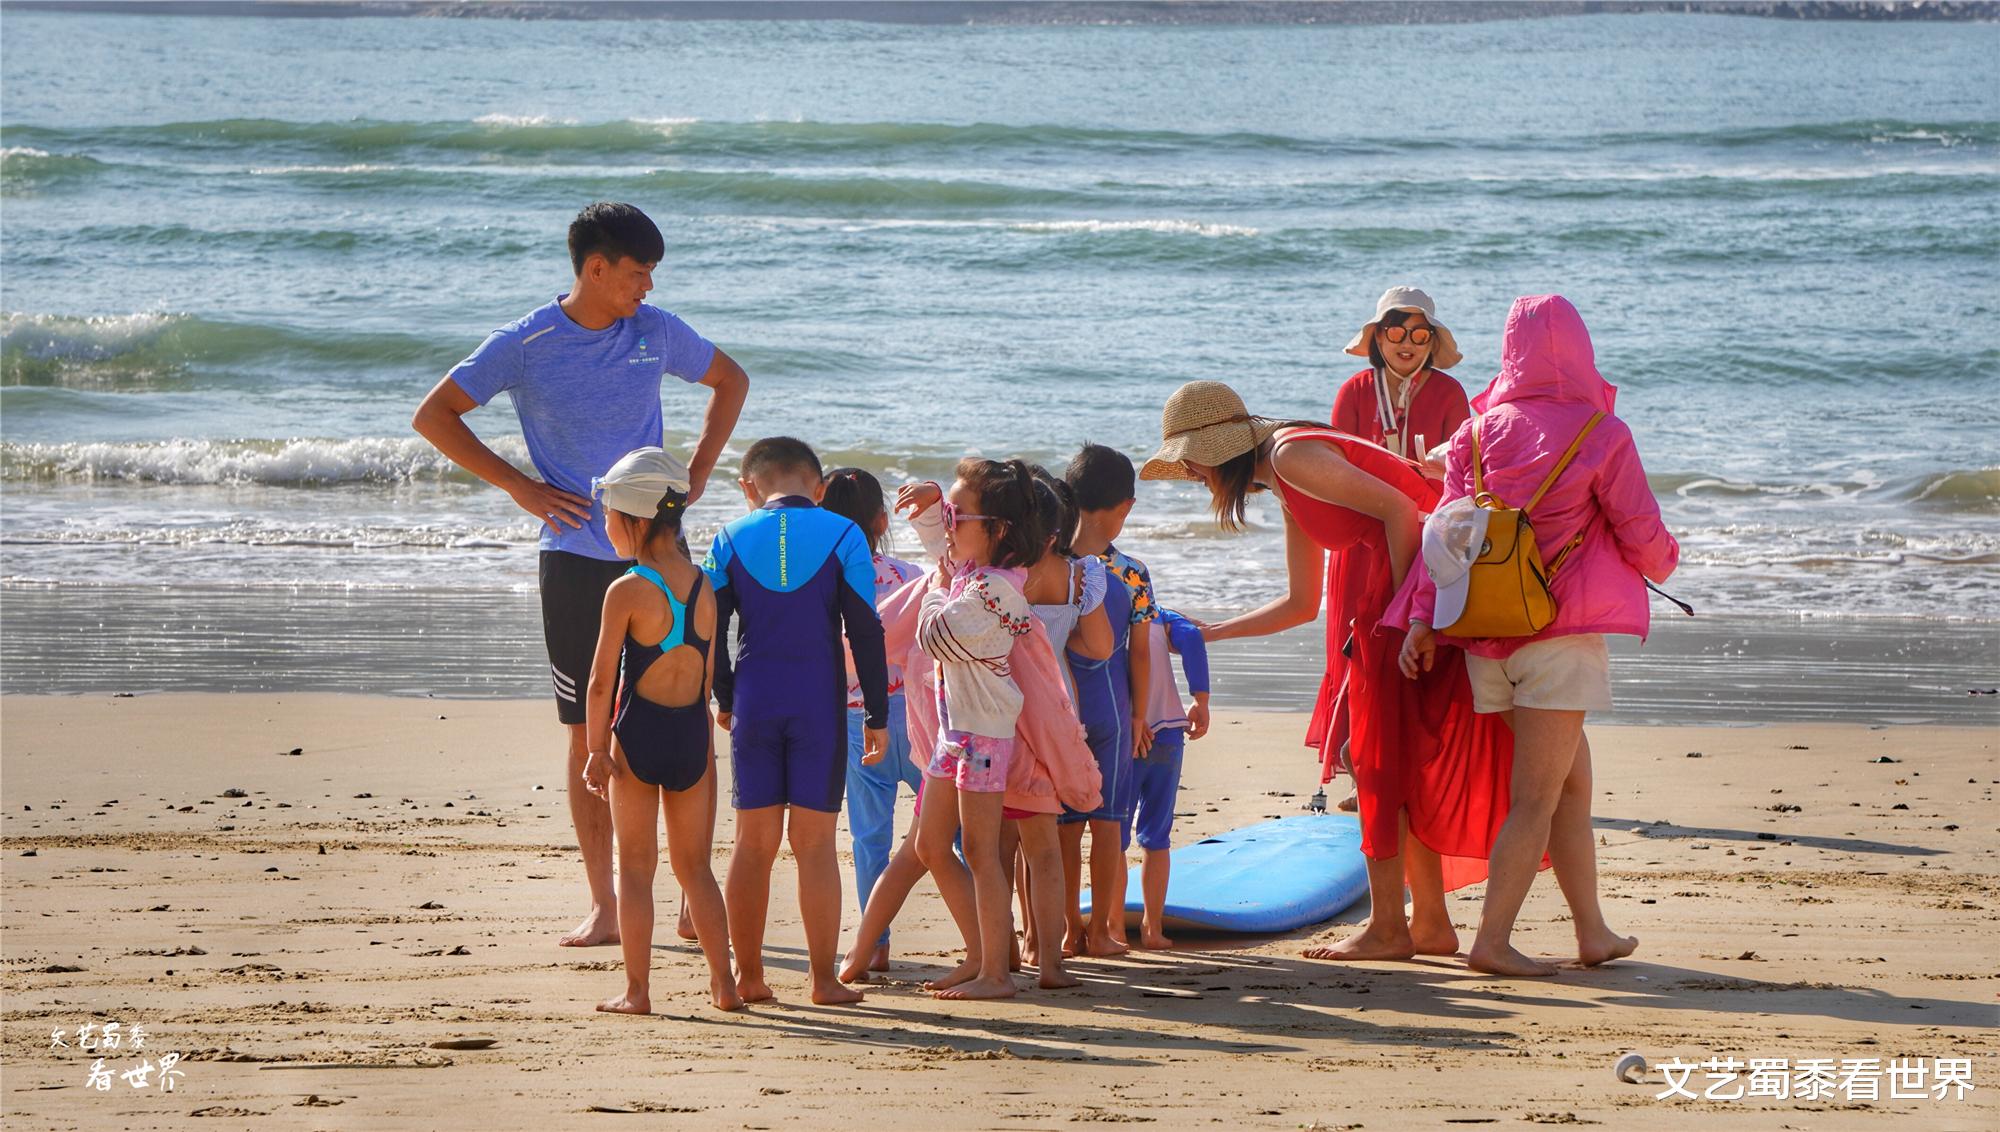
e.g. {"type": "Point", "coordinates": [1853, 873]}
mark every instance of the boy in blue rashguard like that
{"type": "Point", "coordinates": [793, 574]}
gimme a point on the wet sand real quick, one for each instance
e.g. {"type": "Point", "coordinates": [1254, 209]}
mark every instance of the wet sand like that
{"type": "Point", "coordinates": [400, 882]}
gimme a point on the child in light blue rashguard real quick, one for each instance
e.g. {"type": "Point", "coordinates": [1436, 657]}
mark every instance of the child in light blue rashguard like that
{"type": "Point", "coordinates": [1159, 769]}
{"type": "Point", "coordinates": [871, 790]}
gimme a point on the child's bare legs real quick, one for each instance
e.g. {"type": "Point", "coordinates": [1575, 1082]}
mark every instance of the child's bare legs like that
{"type": "Point", "coordinates": [1041, 854]}
{"type": "Point", "coordinates": [1010, 868]}
{"type": "Point", "coordinates": [1573, 853]}
{"type": "Point", "coordinates": [709, 791]}
{"type": "Point", "coordinates": [1431, 932]}
{"type": "Point", "coordinates": [980, 821]}
{"type": "Point", "coordinates": [634, 814]}
{"type": "Point", "coordinates": [1071, 835]}
{"type": "Point", "coordinates": [892, 888]}
{"type": "Point", "coordinates": [811, 833]}
{"type": "Point", "coordinates": [1024, 881]}
{"type": "Point", "coordinates": [936, 830]}
{"type": "Point", "coordinates": [1107, 889]}
{"type": "Point", "coordinates": [758, 835]}
{"type": "Point", "coordinates": [1545, 750]}
{"type": "Point", "coordinates": [1153, 881]}
{"type": "Point", "coordinates": [690, 833]}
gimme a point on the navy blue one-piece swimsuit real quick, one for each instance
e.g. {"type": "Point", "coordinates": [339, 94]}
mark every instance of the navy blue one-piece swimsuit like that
{"type": "Point", "coordinates": [665, 745]}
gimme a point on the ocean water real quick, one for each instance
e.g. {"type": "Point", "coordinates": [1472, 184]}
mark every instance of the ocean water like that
{"type": "Point", "coordinates": [234, 253]}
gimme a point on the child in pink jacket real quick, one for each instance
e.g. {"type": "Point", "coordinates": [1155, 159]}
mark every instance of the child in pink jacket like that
{"type": "Point", "coordinates": [1547, 392]}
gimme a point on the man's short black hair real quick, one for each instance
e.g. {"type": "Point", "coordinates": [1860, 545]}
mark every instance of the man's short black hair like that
{"type": "Point", "coordinates": [776, 455]}
{"type": "Point", "coordinates": [614, 231]}
{"type": "Point", "coordinates": [1101, 477]}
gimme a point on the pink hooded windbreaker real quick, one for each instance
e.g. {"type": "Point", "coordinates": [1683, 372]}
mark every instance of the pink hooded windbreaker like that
{"type": "Point", "coordinates": [1547, 390]}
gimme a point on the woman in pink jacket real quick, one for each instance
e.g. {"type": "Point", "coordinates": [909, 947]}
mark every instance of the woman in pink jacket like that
{"type": "Point", "coordinates": [1547, 392]}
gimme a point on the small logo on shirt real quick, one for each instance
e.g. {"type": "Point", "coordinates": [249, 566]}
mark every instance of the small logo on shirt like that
{"type": "Point", "coordinates": [643, 357]}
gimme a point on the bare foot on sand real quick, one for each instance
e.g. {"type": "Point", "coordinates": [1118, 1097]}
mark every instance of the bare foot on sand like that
{"type": "Point", "coordinates": [855, 970]}
{"type": "Point", "coordinates": [685, 928]}
{"type": "Point", "coordinates": [1506, 961]}
{"type": "Point", "coordinates": [1105, 946]}
{"type": "Point", "coordinates": [880, 960]}
{"type": "Point", "coordinates": [981, 988]}
{"type": "Point", "coordinates": [631, 1002]}
{"type": "Point", "coordinates": [834, 993]}
{"type": "Point", "coordinates": [754, 990]}
{"type": "Point", "coordinates": [1350, 804]}
{"type": "Point", "coordinates": [723, 992]}
{"type": "Point", "coordinates": [1370, 942]}
{"type": "Point", "coordinates": [1154, 940]}
{"type": "Point", "coordinates": [1433, 939]}
{"type": "Point", "coordinates": [599, 929]}
{"type": "Point", "coordinates": [1604, 948]}
{"type": "Point", "coordinates": [1073, 940]}
{"type": "Point", "coordinates": [1057, 977]}
{"type": "Point", "coordinates": [1014, 954]}
{"type": "Point", "coordinates": [963, 973]}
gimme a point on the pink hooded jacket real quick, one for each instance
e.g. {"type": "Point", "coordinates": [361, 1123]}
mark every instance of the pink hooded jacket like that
{"type": "Point", "coordinates": [1053, 765]}
{"type": "Point", "coordinates": [1547, 390]}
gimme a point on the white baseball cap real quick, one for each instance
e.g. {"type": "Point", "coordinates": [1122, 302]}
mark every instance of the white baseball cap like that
{"type": "Point", "coordinates": [1454, 537]}
{"type": "Point", "coordinates": [643, 483]}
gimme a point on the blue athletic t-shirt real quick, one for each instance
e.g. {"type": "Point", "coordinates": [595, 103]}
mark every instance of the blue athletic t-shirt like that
{"type": "Point", "coordinates": [585, 397]}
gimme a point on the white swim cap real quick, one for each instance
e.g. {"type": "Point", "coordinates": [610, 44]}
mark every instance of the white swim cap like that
{"type": "Point", "coordinates": [643, 483]}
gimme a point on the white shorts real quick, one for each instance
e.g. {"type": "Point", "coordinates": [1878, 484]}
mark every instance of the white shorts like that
{"type": "Point", "coordinates": [1561, 674]}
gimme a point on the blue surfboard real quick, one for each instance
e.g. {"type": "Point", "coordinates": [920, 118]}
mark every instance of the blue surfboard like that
{"type": "Point", "coordinates": [1272, 877]}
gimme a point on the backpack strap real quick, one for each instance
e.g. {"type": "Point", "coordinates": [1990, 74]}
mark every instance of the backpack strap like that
{"type": "Point", "coordinates": [1567, 456]}
{"type": "Point", "coordinates": [1574, 446]}
{"type": "Point", "coordinates": [1478, 466]}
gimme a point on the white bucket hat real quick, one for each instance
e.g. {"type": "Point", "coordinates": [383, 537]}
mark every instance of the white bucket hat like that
{"type": "Point", "coordinates": [1444, 348]}
{"type": "Point", "coordinates": [1454, 538]}
{"type": "Point", "coordinates": [643, 483]}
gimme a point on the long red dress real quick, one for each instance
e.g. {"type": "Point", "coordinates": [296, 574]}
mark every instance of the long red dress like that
{"type": "Point", "coordinates": [1436, 410]}
{"type": "Point", "coordinates": [1415, 745]}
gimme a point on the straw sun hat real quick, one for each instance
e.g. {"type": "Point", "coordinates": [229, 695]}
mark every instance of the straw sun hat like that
{"type": "Point", "coordinates": [1444, 349]}
{"type": "Point", "coordinates": [1204, 422]}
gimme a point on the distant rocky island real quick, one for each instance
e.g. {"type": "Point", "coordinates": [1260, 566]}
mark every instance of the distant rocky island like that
{"type": "Point", "coordinates": [1038, 12]}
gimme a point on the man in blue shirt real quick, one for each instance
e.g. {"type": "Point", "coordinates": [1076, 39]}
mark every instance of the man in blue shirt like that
{"type": "Point", "coordinates": [793, 575]}
{"type": "Point", "coordinates": [584, 373]}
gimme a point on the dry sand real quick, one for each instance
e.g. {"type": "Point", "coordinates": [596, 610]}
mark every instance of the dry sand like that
{"type": "Point", "coordinates": [402, 880]}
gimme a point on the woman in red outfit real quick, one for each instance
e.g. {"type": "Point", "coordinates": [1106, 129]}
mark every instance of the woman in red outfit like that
{"type": "Point", "coordinates": [1405, 402]}
{"type": "Point", "coordinates": [1431, 774]}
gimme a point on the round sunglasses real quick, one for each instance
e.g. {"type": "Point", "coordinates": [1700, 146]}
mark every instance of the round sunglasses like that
{"type": "Point", "coordinates": [1418, 335]}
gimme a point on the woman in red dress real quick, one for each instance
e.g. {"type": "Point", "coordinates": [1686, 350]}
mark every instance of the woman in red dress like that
{"type": "Point", "coordinates": [1406, 403]}
{"type": "Point", "coordinates": [1431, 775]}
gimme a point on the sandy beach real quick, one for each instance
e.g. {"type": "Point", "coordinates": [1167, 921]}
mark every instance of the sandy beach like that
{"type": "Point", "coordinates": [304, 929]}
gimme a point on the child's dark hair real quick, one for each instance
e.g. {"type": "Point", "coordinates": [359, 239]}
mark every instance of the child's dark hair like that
{"type": "Point", "coordinates": [856, 495]}
{"type": "Point", "coordinates": [776, 455]}
{"type": "Point", "coordinates": [1101, 477]}
{"type": "Point", "coordinates": [614, 231]}
{"type": "Point", "coordinates": [1393, 318]}
{"type": "Point", "coordinates": [666, 522]}
{"type": "Point", "coordinates": [1056, 505]}
{"type": "Point", "coordinates": [1006, 491]}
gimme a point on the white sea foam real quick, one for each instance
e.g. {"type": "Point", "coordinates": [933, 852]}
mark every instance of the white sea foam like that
{"type": "Point", "coordinates": [522, 120]}
{"type": "Point", "coordinates": [299, 462]}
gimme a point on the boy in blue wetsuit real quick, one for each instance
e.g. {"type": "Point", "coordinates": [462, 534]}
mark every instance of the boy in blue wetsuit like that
{"type": "Point", "coordinates": [1158, 778]}
{"type": "Point", "coordinates": [794, 574]}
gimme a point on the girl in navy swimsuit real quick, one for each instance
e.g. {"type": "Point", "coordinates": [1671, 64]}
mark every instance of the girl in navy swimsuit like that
{"type": "Point", "coordinates": [657, 751]}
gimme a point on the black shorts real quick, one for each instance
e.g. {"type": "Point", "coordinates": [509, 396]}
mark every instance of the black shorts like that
{"type": "Point", "coordinates": [572, 608]}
